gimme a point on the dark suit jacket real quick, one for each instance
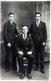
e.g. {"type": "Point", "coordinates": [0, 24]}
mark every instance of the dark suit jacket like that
{"type": "Point", "coordinates": [24, 45]}
{"type": "Point", "coordinates": [9, 32]}
{"type": "Point", "coordinates": [39, 34]}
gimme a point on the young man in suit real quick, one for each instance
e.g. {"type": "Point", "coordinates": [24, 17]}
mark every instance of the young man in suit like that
{"type": "Point", "coordinates": [39, 35]}
{"type": "Point", "coordinates": [9, 34]}
{"type": "Point", "coordinates": [24, 47]}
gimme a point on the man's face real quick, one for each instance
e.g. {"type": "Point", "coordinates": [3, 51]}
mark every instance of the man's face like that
{"type": "Point", "coordinates": [38, 17]}
{"type": "Point", "coordinates": [11, 17]}
{"type": "Point", "coordinates": [25, 29]}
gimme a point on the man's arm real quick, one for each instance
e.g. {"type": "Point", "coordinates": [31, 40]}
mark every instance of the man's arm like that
{"type": "Point", "coordinates": [17, 43]}
{"type": "Point", "coordinates": [45, 35]}
{"type": "Point", "coordinates": [30, 29]}
{"type": "Point", "coordinates": [31, 43]}
{"type": "Point", "coordinates": [16, 31]}
{"type": "Point", "coordinates": [5, 36]}
{"type": "Point", "coordinates": [31, 46]}
{"type": "Point", "coordinates": [17, 46]}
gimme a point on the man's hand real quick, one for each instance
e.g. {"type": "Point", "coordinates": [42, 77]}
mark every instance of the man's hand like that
{"type": "Point", "coordinates": [44, 44]}
{"type": "Point", "coordinates": [20, 52]}
{"type": "Point", "coordinates": [9, 45]}
{"type": "Point", "coordinates": [15, 35]}
{"type": "Point", "coordinates": [29, 53]}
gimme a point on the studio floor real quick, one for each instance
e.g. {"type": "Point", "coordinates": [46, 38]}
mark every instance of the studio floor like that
{"type": "Point", "coordinates": [36, 75]}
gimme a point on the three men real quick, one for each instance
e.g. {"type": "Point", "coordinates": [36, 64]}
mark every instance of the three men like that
{"type": "Point", "coordinates": [24, 46]}
{"type": "Point", "coordinates": [9, 34]}
{"type": "Point", "coordinates": [39, 36]}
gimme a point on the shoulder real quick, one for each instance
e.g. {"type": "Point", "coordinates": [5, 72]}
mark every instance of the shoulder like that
{"type": "Point", "coordinates": [14, 23]}
{"type": "Point", "coordinates": [19, 35]}
{"type": "Point", "coordinates": [29, 36]}
{"type": "Point", "coordinates": [6, 23]}
{"type": "Point", "coordinates": [43, 23]}
{"type": "Point", "coordinates": [33, 23]}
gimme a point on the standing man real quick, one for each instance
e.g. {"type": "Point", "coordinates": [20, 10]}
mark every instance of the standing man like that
{"type": "Point", "coordinates": [9, 34]}
{"type": "Point", "coordinates": [39, 36]}
{"type": "Point", "coordinates": [24, 47]}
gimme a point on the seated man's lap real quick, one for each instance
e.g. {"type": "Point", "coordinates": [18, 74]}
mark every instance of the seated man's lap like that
{"type": "Point", "coordinates": [26, 56]}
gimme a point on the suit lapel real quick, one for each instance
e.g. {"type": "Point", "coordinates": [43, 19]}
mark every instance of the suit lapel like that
{"type": "Point", "coordinates": [40, 25]}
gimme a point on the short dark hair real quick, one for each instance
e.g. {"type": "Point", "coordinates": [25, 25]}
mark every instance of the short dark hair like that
{"type": "Point", "coordinates": [37, 13]}
{"type": "Point", "coordinates": [10, 13]}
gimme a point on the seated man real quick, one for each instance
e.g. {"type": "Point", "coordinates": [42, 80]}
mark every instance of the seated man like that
{"type": "Point", "coordinates": [24, 46]}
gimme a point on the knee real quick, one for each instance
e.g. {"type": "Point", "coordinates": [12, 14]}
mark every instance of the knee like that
{"type": "Point", "coordinates": [29, 53]}
{"type": "Point", "coordinates": [20, 54]}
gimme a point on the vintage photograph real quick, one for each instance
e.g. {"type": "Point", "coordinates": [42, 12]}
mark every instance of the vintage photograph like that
{"type": "Point", "coordinates": [25, 40]}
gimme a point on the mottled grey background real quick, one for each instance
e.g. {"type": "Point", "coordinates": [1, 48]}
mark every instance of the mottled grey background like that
{"type": "Point", "coordinates": [24, 14]}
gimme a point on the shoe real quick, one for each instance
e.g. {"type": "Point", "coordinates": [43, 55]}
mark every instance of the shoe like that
{"type": "Point", "coordinates": [29, 76]}
{"type": "Point", "coordinates": [22, 76]}
{"type": "Point", "coordinates": [42, 71]}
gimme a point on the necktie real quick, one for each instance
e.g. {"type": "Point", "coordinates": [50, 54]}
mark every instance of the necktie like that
{"type": "Point", "coordinates": [24, 36]}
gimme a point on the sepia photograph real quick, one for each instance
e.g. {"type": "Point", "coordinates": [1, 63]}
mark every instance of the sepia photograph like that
{"type": "Point", "coordinates": [25, 40]}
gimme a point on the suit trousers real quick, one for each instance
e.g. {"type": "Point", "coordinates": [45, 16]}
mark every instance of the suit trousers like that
{"type": "Point", "coordinates": [30, 63]}
{"type": "Point", "coordinates": [9, 51]}
{"type": "Point", "coordinates": [39, 56]}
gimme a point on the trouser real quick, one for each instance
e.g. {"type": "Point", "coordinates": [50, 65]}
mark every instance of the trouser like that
{"type": "Point", "coordinates": [39, 56]}
{"type": "Point", "coordinates": [13, 57]}
{"type": "Point", "coordinates": [30, 63]}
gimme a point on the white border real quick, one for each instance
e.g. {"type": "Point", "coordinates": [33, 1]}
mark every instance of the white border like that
{"type": "Point", "coordinates": [50, 37]}
{"type": "Point", "coordinates": [25, 0]}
